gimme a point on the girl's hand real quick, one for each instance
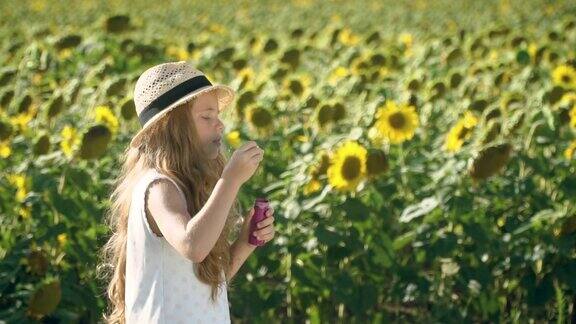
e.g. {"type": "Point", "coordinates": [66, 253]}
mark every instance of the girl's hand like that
{"type": "Point", "coordinates": [265, 229]}
{"type": "Point", "coordinates": [243, 163]}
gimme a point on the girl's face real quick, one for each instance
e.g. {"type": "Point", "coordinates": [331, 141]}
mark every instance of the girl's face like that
{"type": "Point", "coordinates": [208, 124]}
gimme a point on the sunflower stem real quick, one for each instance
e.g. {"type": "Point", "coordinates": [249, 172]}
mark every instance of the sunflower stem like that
{"type": "Point", "coordinates": [401, 162]}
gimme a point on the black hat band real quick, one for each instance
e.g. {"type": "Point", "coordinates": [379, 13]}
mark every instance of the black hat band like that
{"type": "Point", "coordinates": [171, 96]}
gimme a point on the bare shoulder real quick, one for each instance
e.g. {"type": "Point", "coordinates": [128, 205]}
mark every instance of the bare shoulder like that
{"type": "Point", "coordinates": [162, 193]}
{"type": "Point", "coordinates": [165, 206]}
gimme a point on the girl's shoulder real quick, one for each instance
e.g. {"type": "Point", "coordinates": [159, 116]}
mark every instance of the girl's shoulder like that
{"type": "Point", "coordinates": [147, 176]}
{"type": "Point", "coordinates": [151, 175]}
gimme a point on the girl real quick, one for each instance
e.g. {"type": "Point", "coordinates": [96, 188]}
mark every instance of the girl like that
{"type": "Point", "coordinates": [174, 205]}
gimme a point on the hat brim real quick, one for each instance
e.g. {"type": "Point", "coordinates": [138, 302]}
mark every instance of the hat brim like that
{"type": "Point", "coordinates": [225, 97]}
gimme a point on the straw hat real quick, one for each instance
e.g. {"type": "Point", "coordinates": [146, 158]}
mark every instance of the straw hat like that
{"type": "Point", "coordinates": [163, 87]}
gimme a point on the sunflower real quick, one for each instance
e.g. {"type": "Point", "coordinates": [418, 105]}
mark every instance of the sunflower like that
{"type": "Point", "coordinates": [460, 132]}
{"type": "Point", "coordinates": [397, 123]}
{"type": "Point", "coordinates": [489, 161]}
{"type": "Point", "coordinates": [36, 262]}
{"type": "Point", "coordinates": [247, 77]}
{"type": "Point", "coordinates": [360, 64]}
{"type": "Point", "coordinates": [22, 119]}
{"type": "Point", "coordinates": [260, 118]}
{"type": "Point", "coordinates": [456, 136]}
{"type": "Point", "coordinates": [128, 109]}
{"type": "Point", "coordinates": [338, 74]}
{"type": "Point", "coordinates": [312, 186]}
{"type": "Point", "coordinates": [510, 100]}
{"type": "Point", "coordinates": [62, 239]}
{"type": "Point", "coordinates": [21, 183]}
{"type": "Point", "coordinates": [41, 145]}
{"type": "Point", "coordinates": [95, 142]}
{"type": "Point", "coordinates": [347, 166]}
{"type": "Point", "coordinates": [298, 85]}
{"type": "Point", "coordinates": [573, 116]}
{"type": "Point", "coordinates": [64, 53]}
{"type": "Point", "coordinates": [376, 162]}
{"type": "Point", "coordinates": [70, 140]}
{"type": "Point", "coordinates": [565, 76]}
{"type": "Point", "coordinates": [568, 99]}
{"type": "Point", "coordinates": [256, 44]}
{"type": "Point", "coordinates": [44, 300]}
{"type": "Point", "coordinates": [323, 115]}
{"type": "Point", "coordinates": [103, 114]}
{"type": "Point", "coordinates": [233, 138]}
{"type": "Point", "coordinates": [348, 38]}
{"type": "Point", "coordinates": [406, 40]}
{"type": "Point", "coordinates": [566, 109]}
{"type": "Point", "coordinates": [5, 149]}
{"type": "Point", "coordinates": [6, 128]}
{"type": "Point", "coordinates": [177, 52]}
{"type": "Point", "coordinates": [470, 120]}
{"type": "Point", "coordinates": [569, 152]}
{"type": "Point", "coordinates": [316, 171]}
{"type": "Point", "coordinates": [37, 6]}
{"type": "Point", "coordinates": [322, 162]}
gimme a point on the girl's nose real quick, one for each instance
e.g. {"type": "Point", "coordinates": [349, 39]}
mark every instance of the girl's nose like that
{"type": "Point", "coordinates": [220, 125]}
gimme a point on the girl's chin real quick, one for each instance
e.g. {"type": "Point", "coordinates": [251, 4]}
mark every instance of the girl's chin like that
{"type": "Point", "coordinates": [213, 151]}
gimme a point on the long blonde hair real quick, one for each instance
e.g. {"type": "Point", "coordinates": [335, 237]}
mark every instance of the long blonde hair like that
{"type": "Point", "coordinates": [172, 148]}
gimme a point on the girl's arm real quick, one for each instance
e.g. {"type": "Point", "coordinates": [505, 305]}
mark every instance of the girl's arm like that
{"type": "Point", "coordinates": [204, 229]}
{"type": "Point", "coordinates": [241, 249]}
{"type": "Point", "coordinates": [239, 252]}
{"type": "Point", "coordinates": [193, 237]}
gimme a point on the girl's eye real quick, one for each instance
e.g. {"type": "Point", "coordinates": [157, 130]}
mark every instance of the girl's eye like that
{"type": "Point", "coordinates": [207, 118]}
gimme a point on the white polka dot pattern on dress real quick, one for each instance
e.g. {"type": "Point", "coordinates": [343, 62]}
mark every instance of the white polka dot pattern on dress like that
{"type": "Point", "coordinates": [161, 285]}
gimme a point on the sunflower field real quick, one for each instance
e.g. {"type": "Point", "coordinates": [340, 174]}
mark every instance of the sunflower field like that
{"type": "Point", "coordinates": [420, 156]}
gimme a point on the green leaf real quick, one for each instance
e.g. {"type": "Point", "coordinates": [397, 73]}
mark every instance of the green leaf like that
{"type": "Point", "coordinates": [327, 235]}
{"type": "Point", "coordinates": [404, 239]}
{"type": "Point", "coordinates": [542, 292]}
{"type": "Point", "coordinates": [355, 209]}
{"type": "Point", "coordinates": [422, 208]}
{"type": "Point", "coordinates": [544, 216]}
{"type": "Point", "coordinates": [364, 298]}
{"type": "Point", "coordinates": [64, 205]}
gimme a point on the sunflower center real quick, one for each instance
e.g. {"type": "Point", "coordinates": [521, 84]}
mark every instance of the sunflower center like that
{"type": "Point", "coordinates": [397, 120]}
{"type": "Point", "coordinates": [463, 132]}
{"type": "Point", "coordinates": [351, 168]}
{"type": "Point", "coordinates": [261, 118]}
{"type": "Point", "coordinates": [376, 163]}
{"type": "Point", "coordinates": [566, 78]}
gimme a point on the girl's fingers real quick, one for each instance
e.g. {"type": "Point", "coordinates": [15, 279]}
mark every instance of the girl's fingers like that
{"type": "Point", "coordinates": [267, 221]}
{"type": "Point", "coordinates": [249, 145]}
{"type": "Point", "coordinates": [265, 231]}
{"type": "Point", "coordinates": [257, 154]}
{"type": "Point", "coordinates": [266, 237]}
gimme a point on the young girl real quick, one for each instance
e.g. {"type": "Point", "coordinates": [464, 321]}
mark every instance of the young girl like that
{"type": "Point", "coordinates": [174, 205]}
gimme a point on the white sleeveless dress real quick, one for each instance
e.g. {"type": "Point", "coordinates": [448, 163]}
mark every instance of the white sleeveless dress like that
{"type": "Point", "coordinates": [161, 285]}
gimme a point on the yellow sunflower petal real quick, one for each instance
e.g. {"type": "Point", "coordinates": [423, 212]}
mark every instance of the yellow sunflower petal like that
{"type": "Point", "coordinates": [348, 166]}
{"type": "Point", "coordinates": [397, 123]}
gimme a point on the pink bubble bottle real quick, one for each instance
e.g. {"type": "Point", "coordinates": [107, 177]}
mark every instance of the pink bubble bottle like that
{"type": "Point", "coordinates": [260, 207]}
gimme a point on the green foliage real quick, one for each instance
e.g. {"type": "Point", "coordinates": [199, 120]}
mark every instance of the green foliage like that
{"type": "Point", "coordinates": [484, 233]}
